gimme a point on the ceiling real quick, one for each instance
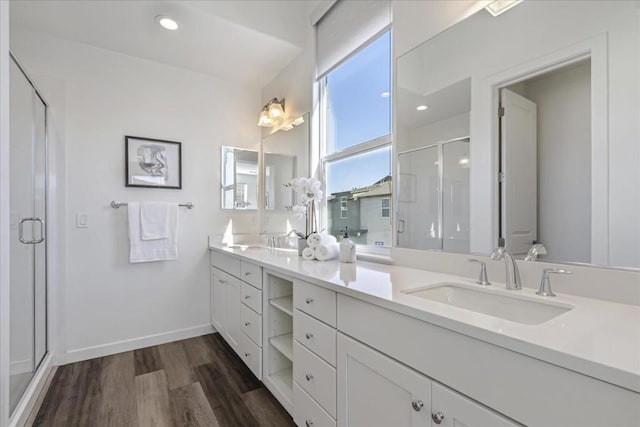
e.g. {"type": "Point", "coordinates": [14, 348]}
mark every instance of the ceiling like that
{"type": "Point", "coordinates": [244, 41]}
{"type": "Point", "coordinates": [444, 103]}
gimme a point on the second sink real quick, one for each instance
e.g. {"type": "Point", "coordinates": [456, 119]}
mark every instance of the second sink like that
{"type": "Point", "coordinates": [515, 309]}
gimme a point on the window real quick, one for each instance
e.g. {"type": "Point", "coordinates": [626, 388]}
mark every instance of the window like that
{"type": "Point", "coordinates": [385, 208]}
{"type": "Point", "coordinates": [356, 155]}
{"type": "Point", "coordinates": [343, 207]}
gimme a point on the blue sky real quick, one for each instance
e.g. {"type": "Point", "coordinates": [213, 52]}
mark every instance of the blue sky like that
{"type": "Point", "coordinates": [360, 114]}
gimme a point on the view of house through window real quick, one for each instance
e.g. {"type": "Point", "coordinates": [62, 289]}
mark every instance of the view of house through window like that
{"type": "Point", "coordinates": [357, 147]}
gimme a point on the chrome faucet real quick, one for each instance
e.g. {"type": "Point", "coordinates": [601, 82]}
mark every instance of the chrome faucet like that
{"type": "Point", "coordinates": [513, 274]}
{"type": "Point", "coordinates": [535, 251]}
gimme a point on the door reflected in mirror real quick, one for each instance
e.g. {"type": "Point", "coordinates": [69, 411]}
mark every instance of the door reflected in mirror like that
{"type": "Point", "coordinates": [279, 169]}
{"type": "Point", "coordinates": [549, 109]}
{"type": "Point", "coordinates": [239, 187]}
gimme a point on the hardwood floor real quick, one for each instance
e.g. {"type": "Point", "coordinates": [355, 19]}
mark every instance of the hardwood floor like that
{"type": "Point", "coordinates": [194, 382]}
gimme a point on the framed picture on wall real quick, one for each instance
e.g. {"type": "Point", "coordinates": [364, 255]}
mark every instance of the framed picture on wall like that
{"type": "Point", "coordinates": [152, 163]}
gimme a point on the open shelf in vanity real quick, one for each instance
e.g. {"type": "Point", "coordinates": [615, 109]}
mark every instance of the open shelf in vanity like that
{"type": "Point", "coordinates": [278, 338]}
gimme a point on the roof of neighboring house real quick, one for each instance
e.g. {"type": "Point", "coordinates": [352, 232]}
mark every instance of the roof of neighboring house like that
{"type": "Point", "coordinates": [377, 189]}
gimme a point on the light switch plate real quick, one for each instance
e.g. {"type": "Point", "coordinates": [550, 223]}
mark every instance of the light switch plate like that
{"type": "Point", "coordinates": [82, 220]}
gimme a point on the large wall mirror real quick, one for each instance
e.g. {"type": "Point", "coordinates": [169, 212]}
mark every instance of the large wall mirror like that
{"type": "Point", "coordinates": [239, 178]}
{"type": "Point", "coordinates": [524, 128]}
{"type": "Point", "coordinates": [285, 156]}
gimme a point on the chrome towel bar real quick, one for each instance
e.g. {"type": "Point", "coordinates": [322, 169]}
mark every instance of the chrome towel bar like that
{"type": "Point", "coordinates": [116, 204]}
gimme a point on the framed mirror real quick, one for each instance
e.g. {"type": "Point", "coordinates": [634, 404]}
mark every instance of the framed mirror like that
{"type": "Point", "coordinates": [239, 178]}
{"type": "Point", "coordinates": [523, 128]}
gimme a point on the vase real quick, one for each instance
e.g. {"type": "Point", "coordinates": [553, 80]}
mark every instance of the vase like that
{"type": "Point", "coordinates": [302, 243]}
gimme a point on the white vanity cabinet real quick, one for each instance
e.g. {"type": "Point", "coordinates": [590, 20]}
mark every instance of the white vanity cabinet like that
{"type": "Point", "coordinates": [236, 306]}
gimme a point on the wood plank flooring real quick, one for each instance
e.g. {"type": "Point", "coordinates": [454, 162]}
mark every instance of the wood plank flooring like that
{"type": "Point", "coordinates": [194, 382]}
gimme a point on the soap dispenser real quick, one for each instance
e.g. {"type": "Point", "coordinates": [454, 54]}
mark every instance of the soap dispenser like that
{"type": "Point", "coordinates": [347, 248]}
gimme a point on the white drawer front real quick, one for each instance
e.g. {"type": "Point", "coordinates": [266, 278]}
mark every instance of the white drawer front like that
{"type": "Point", "coordinates": [225, 262]}
{"type": "Point", "coordinates": [251, 273]}
{"type": "Point", "coordinates": [251, 355]}
{"type": "Point", "coordinates": [306, 412]}
{"type": "Point", "coordinates": [252, 297]}
{"type": "Point", "coordinates": [251, 324]}
{"type": "Point", "coordinates": [315, 301]}
{"type": "Point", "coordinates": [315, 335]}
{"type": "Point", "coordinates": [316, 377]}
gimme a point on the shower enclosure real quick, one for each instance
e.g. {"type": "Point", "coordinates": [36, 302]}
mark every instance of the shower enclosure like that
{"type": "Point", "coordinates": [28, 189]}
{"type": "Point", "coordinates": [433, 197]}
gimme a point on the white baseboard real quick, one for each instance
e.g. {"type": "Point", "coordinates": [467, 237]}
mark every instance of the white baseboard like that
{"type": "Point", "coordinates": [132, 344]}
{"type": "Point", "coordinates": [21, 366]}
{"type": "Point", "coordinates": [30, 396]}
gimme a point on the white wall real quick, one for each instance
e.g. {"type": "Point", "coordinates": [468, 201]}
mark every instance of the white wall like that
{"type": "Point", "coordinates": [107, 304]}
{"type": "Point", "coordinates": [564, 161]}
{"type": "Point", "coordinates": [4, 214]}
{"type": "Point", "coordinates": [442, 130]}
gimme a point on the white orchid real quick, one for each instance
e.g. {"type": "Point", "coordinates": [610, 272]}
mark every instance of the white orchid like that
{"type": "Point", "coordinates": [309, 191]}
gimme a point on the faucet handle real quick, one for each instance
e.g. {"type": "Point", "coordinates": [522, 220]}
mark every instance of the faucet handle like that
{"type": "Point", "coordinates": [483, 279]}
{"type": "Point", "coordinates": [545, 282]}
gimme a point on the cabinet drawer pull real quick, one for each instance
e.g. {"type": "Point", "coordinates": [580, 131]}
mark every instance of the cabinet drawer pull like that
{"type": "Point", "coordinates": [309, 335]}
{"type": "Point", "coordinates": [437, 417]}
{"type": "Point", "coordinates": [222, 282]}
{"type": "Point", "coordinates": [308, 423]}
{"type": "Point", "coordinates": [247, 354]}
{"type": "Point", "coordinates": [247, 323]}
{"type": "Point", "coordinates": [309, 377]}
{"type": "Point", "coordinates": [248, 273]}
{"type": "Point", "coordinates": [247, 296]}
{"type": "Point", "coordinates": [417, 405]}
{"type": "Point", "coordinates": [309, 300]}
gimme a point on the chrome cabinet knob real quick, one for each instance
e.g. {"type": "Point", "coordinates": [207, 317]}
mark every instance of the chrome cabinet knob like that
{"type": "Point", "coordinates": [247, 296]}
{"type": "Point", "coordinates": [308, 335]}
{"type": "Point", "coordinates": [222, 282]}
{"type": "Point", "coordinates": [247, 354]}
{"type": "Point", "coordinates": [247, 323]}
{"type": "Point", "coordinates": [309, 300]}
{"type": "Point", "coordinates": [248, 273]}
{"type": "Point", "coordinates": [308, 423]}
{"type": "Point", "coordinates": [417, 405]}
{"type": "Point", "coordinates": [437, 417]}
{"type": "Point", "coordinates": [309, 377]}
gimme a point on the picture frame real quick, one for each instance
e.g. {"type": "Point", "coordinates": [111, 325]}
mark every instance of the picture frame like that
{"type": "Point", "coordinates": [152, 163]}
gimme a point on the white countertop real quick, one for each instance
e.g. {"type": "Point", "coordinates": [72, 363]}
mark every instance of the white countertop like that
{"type": "Point", "coordinates": [597, 338]}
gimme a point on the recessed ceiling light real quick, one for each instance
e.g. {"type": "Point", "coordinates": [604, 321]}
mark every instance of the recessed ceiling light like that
{"type": "Point", "coordinates": [167, 22]}
{"type": "Point", "coordinates": [421, 107]}
{"type": "Point", "coordinates": [385, 94]}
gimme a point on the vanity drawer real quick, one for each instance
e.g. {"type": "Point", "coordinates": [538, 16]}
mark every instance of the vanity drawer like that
{"type": "Point", "coordinates": [316, 336]}
{"type": "Point", "coordinates": [251, 324]}
{"type": "Point", "coordinates": [251, 273]}
{"type": "Point", "coordinates": [225, 262]}
{"type": "Point", "coordinates": [306, 412]}
{"type": "Point", "coordinates": [252, 297]}
{"type": "Point", "coordinates": [315, 301]}
{"type": "Point", "coordinates": [250, 354]}
{"type": "Point", "coordinates": [316, 377]}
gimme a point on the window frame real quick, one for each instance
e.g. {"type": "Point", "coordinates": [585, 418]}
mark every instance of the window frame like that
{"type": "Point", "coordinates": [344, 211]}
{"type": "Point", "coordinates": [383, 208]}
{"type": "Point", "coordinates": [384, 141]}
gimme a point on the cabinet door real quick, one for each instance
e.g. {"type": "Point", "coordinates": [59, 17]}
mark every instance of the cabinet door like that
{"type": "Point", "coordinates": [218, 301]}
{"type": "Point", "coordinates": [452, 409]}
{"type": "Point", "coordinates": [232, 318]}
{"type": "Point", "coordinates": [374, 390]}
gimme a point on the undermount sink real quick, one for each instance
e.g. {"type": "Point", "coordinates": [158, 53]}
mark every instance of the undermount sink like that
{"type": "Point", "coordinates": [515, 309]}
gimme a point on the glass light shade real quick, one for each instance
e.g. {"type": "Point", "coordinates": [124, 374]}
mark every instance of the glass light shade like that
{"type": "Point", "coordinates": [264, 120]}
{"type": "Point", "coordinates": [276, 112]}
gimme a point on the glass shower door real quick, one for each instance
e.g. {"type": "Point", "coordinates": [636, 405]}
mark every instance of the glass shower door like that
{"type": "Point", "coordinates": [27, 248]}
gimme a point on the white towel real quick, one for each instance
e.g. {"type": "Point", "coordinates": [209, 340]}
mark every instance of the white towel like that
{"type": "Point", "coordinates": [308, 254]}
{"type": "Point", "coordinates": [152, 250]}
{"type": "Point", "coordinates": [154, 220]}
{"type": "Point", "coordinates": [327, 252]}
{"type": "Point", "coordinates": [316, 239]}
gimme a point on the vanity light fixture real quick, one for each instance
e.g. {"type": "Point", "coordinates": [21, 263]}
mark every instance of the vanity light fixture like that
{"type": "Point", "coordinates": [421, 107]}
{"type": "Point", "coordinates": [289, 126]}
{"type": "Point", "coordinates": [498, 7]}
{"type": "Point", "coordinates": [272, 113]}
{"type": "Point", "coordinates": [167, 22]}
